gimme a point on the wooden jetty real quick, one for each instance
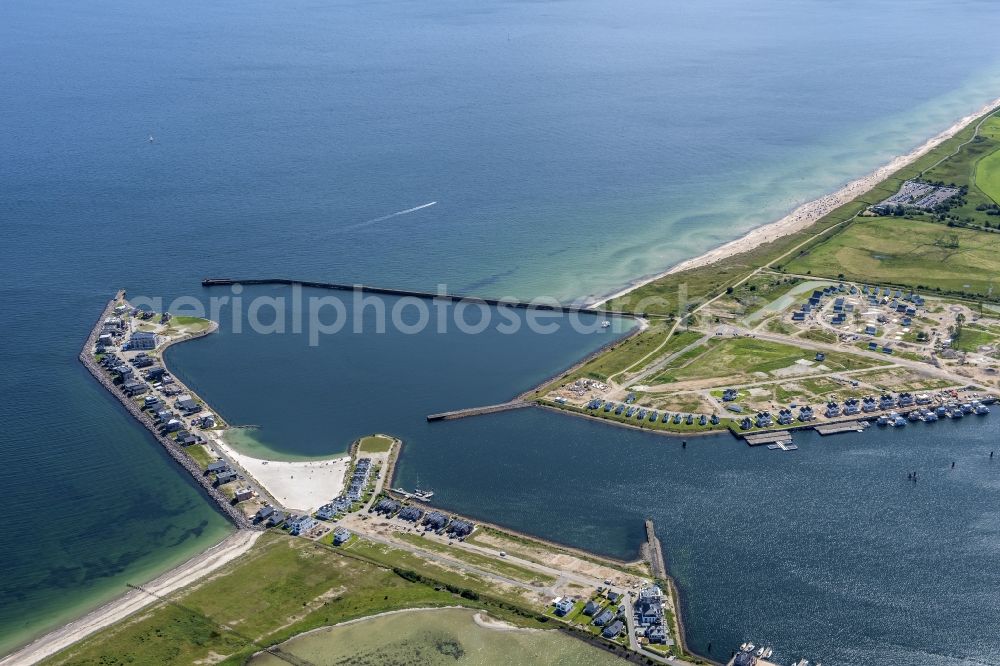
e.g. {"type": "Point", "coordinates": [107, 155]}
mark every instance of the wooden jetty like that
{"type": "Point", "coordinates": [772, 437]}
{"type": "Point", "coordinates": [476, 411]}
{"type": "Point", "coordinates": [842, 426]}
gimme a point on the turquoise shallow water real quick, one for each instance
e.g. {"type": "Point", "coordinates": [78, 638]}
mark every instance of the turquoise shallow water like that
{"type": "Point", "coordinates": [569, 146]}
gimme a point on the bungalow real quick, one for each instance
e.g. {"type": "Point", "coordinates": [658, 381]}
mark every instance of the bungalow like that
{"type": "Point", "coordinates": [411, 514]}
{"type": "Point", "coordinates": [870, 330]}
{"type": "Point", "coordinates": [105, 339]}
{"type": "Point", "coordinates": [806, 413]}
{"type": "Point", "coordinates": [276, 518]}
{"type": "Point", "coordinates": [656, 634]}
{"type": "Point", "coordinates": [648, 612]}
{"type": "Point", "coordinates": [651, 593]}
{"type": "Point", "coordinates": [798, 316]}
{"type": "Point", "coordinates": [326, 512]}
{"type": "Point", "coordinates": [186, 439]}
{"type": "Point", "coordinates": [216, 467]}
{"type": "Point", "coordinates": [186, 403]}
{"type": "Point", "coordinates": [820, 356]}
{"type": "Point", "coordinates": [763, 419]}
{"type": "Point", "coordinates": [243, 494]}
{"type": "Point", "coordinates": [263, 513]}
{"type": "Point", "coordinates": [155, 374]}
{"type": "Point", "coordinates": [387, 506]}
{"type": "Point", "coordinates": [746, 423]}
{"type": "Point", "coordinates": [134, 388]}
{"type": "Point", "coordinates": [301, 524]}
{"type": "Point", "coordinates": [591, 607]}
{"type": "Point", "coordinates": [603, 618]}
{"type": "Point", "coordinates": [564, 606]}
{"type": "Point", "coordinates": [832, 410]}
{"type": "Point", "coordinates": [613, 630]}
{"type": "Point", "coordinates": [173, 425]}
{"type": "Point", "coordinates": [873, 346]}
{"type": "Point", "coordinates": [340, 536]}
{"type": "Point", "coordinates": [224, 477]}
{"type": "Point", "coordinates": [143, 340]}
{"type": "Point", "coordinates": [785, 417]}
{"type": "Point", "coordinates": [436, 521]}
{"type": "Point", "coordinates": [730, 394]}
{"type": "Point", "coordinates": [460, 528]}
{"type": "Point", "coordinates": [714, 420]}
{"type": "Point", "coordinates": [142, 362]}
{"type": "Point", "coordinates": [163, 415]}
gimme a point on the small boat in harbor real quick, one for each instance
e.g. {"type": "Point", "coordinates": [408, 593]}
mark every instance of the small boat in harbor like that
{"type": "Point", "coordinates": [605, 324]}
{"type": "Point", "coordinates": [882, 420]}
{"type": "Point", "coordinates": [982, 410]}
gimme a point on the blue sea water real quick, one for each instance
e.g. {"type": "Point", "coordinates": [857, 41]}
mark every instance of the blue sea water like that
{"type": "Point", "coordinates": [569, 147]}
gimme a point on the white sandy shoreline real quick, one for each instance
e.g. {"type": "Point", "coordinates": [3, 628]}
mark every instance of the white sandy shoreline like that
{"type": "Point", "coordinates": [132, 601]}
{"type": "Point", "coordinates": [304, 485]}
{"type": "Point", "coordinates": [808, 213]}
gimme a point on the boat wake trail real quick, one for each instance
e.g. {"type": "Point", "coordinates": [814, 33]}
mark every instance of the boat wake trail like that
{"type": "Point", "coordinates": [389, 216]}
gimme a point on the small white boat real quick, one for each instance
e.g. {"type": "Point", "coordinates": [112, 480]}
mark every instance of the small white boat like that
{"type": "Point", "coordinates": [760, 652]}
{"type": "Point", "coordinates": [605, 324]}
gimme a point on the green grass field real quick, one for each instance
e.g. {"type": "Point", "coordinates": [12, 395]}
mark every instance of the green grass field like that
{"type": "Point", "coordinates": [916, 254]}
{"type": "Point", "coordinates": [988, 175]}
{"type": "Point", "coordinates": [632, 350]}
{"type": "Point", "coordinates": [375, 444]}
{"type": "Point", "coordinates": [283, 587]}
{"type": "Point", "coordinates": [476, 559]}
{"type": "Point", "coordinates": [745, 356]}
{"type": "Point", "coordinates": [972, 338]}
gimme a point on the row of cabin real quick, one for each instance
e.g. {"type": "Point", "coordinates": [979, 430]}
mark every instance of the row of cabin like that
{"type": "Point", "coordinates": [434, 521]}
{"type": "Point", "coordinates": [334, 508]}
{"type": "Point", "coordinates": [851, 406]}
{"type": "Point", "coordinates": [359, 479]}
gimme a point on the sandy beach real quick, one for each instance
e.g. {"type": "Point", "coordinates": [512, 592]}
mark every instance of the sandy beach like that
{"type": "Point", "coordinates": [808, 213]}
{"type": "Point", "coordinates": [305, 485]}
{"type": "Point", "coordinates": [194, 569]}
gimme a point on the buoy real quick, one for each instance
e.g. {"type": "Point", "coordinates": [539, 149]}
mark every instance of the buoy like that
{"type": "Point", "coordinates": [684, 444]}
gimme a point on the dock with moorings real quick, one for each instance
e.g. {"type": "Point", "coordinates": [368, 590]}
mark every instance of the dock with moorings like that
{"type": "Point", "coordinates": [839, 427]}
{"type": "Point", "coordinates": [772, 437]}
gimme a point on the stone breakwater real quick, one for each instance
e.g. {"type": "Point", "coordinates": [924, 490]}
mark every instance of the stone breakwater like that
{"type": "Point", "coordinates": [175, 452]}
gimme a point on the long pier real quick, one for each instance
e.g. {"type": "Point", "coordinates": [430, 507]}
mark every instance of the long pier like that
{"type": "Point", "coordinates": [182, 459]}
{"type": "Point", "coordinates": [387, 291]}
{"type": "Point", "coordinates": [475, 411]}
{"type": "Point", "coordinates": [654, 552]}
